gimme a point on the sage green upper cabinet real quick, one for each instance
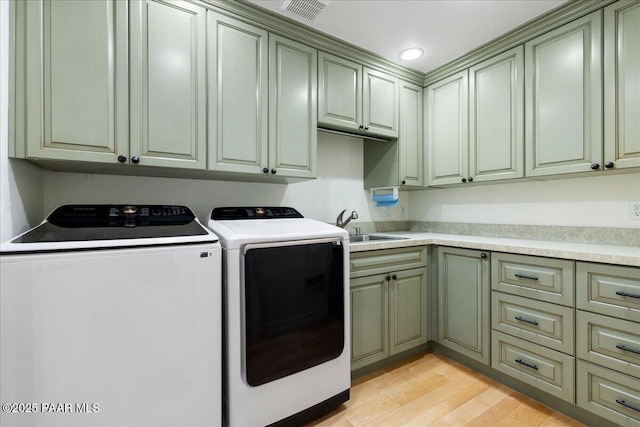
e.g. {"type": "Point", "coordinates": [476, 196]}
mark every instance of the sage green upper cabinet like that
{"type": "Point", "coordinates": [238, 95]}
{"type": "Point", "coordinates": [496, 116]}
{"type": "Point", "coordinates": [622, 85]}
{"type": "Point", "coordinates": [168, 84]}
{"type": "Point", "coordinates": [410, 140]}
{"type": "Point", "coordinates": [399, 163]}
{"type": "Point", "coordinates": [563, 88]}
{"type": "Point", "coordinates": [76, 68]}
{"type": "Point", "coordinates": [463, 302]}
{"type": "Point", "coordinates": [380, 103]}
{"type": "Point", "coordinates": [293, 110]}
{"type": "Point", "coordinates": [355, 98]}
{"type": "Point", "coordinates": [447, 138]}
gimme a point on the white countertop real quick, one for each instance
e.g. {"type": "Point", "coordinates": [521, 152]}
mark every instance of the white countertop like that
{"type": "Point", "coordinates": [608, 254]}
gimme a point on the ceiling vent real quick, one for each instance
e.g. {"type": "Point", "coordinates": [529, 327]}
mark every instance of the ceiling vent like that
{"type": "Point", "coordinates": [307, 9]}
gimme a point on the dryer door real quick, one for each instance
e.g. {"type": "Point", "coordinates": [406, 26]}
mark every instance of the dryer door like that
{"type": "Point", "coordinates": [293, 307]}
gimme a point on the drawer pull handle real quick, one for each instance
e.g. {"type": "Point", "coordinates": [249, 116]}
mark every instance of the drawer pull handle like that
{"type": "Point", "coordinates": [625, 348]}
{"type": "Point", "coordinates": [522, 276]}
{"type": "Point", "coordinates": [628, 405]}
{"type": "Point", "coordinates": [528, 365]}
{"type": "Point", "coordinates": [627, 294]}
{"type": "Point", "coordinates": [522, 319]}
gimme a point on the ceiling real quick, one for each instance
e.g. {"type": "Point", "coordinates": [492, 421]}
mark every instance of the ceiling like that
{"type": "Point", "coordinates": [444, 29]}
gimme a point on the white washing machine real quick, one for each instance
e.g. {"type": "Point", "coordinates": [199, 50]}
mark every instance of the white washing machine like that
{"type": "Point", "coordinates": [111, 316]}
{"type": "Point", "coordinates": [287, 347]}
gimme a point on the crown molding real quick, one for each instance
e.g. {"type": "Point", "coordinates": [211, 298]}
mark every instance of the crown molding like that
{"type": "Point", "coordinates": [561, 15]}
{"type": "Point", "coordinates": [286, 27]}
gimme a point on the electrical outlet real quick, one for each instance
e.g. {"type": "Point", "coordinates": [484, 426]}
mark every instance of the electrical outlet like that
{"type": "Point", "coordinates": [634, 210]}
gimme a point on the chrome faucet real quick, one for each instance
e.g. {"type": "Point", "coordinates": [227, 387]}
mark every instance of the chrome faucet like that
{"type": "Point", "coordinates": [341, 223]}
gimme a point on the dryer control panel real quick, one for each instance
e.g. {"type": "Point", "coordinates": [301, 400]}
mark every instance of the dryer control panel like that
{"type": "Point", "coordinates": [231, 213]}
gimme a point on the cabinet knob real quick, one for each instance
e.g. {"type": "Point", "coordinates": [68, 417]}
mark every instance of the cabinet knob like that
{"type": "Point", "coordinates": [595, 166]}
{"type": "Point", "coordinates": [394, 277]}
{"type": "Point", "coordinates": [388, 278]}
{"type": "Point", "coordinates": [464, 179]}
{"type": "Point", "coordinates": [470, 179]}
{"type": "Point", "coordinates": [265, 170]}
{"type": "Point", "coordinates": [273, 171]}
{"type": "Point", "coordinates": [360, 127]}
{"type": "Point", "coordinates": [483, 255]}
{"type": "Point", "coordinates": [122, 158]}
{"type": "Point", "coordinates": [609, 165]}
{"type": "Point", "coordinates": [366, 128]}
{"type": "Point", "coordinates": [135, 159]}
{"type": "Point", "coordinates": [404, 182]}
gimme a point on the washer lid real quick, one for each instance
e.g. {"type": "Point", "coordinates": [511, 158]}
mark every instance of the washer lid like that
{"type": "Point", "coordinates": [98, 226]}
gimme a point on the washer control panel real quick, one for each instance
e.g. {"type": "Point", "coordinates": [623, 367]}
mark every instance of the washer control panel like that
{"type": "Point", "coordinates": [78, 216]}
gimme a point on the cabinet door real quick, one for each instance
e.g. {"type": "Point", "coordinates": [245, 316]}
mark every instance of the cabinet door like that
{"type": "Point", "coordinates": [408, 310]}
{"type": "Point", "coordinates": [622, 84]}
{"type": "Point", "coordinates": [76, 75]}
{"type": "Point", "coordinates": [447, 138]}
{"type": "Point", "coordinates": [463, 302]}
{"type": "Point", "coordinates": [496, 116]}
{"type": "Point", "coordinates": [168, 84]}
{"type": "Point", "coordinates": [410, 138]}
{"type": "Point", "coordinates": [369, 320]}
{"type": "Point", "coordinates": [238, 95]}
{"type": "Point", "coordinates": [380, 103]}
{"type": "Point", "coordinates": [563, 90]}
{"type": "Point", "coordinates": [339, 92]}
{"type": "Point", "coordinates": [292, 108]}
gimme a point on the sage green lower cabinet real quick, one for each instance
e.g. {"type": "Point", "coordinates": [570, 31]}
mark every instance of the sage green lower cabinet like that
{"type": "Point", "coordinates": [541, 367]}
{"type": "Point", "coordinates": [369, 320]}
{"type": "Point", "coordinates": [388, 309]}
{"type": "Point", "coordinates": [609, 394]}
{"type": "Point", "coordinates": [463, 302]}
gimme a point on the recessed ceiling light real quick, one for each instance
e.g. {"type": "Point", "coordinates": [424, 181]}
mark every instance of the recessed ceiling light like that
{"type": "Point", "coordinates": [411, 54]}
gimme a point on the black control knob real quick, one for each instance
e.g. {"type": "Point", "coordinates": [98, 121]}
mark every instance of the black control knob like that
{"type": "Point", "coordinates": [122, 158]}
{"type": "Point", "coordinates": [464, 179]}
{"type": "Point", "coordinates": [265, 170]}
{"type": "Point", "coordinates": [394, 277]}
{"type": "Point", "coordinates": [595, 166]}
{"type": "Point", "coordinates": [483, 255]}
{"type": "Point", "coordinates": [609, 165]}
{"type": "Point", "coordinates": [470, 179]}
{"type": "Point", "coordinates": [273, 171]}
{"type": "Point", "coordinates": [135, 160]}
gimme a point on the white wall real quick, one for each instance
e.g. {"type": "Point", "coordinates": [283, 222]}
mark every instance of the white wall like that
{"type": "Point", "coordinates": [21, 184]}
{"type": "Point", "coordinates": [339, 186]}
{"type": "Point", "coordinates": [586, 201]}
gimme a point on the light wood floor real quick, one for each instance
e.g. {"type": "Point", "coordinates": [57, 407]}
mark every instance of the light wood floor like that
{"type": "Point", "coordinates": [432, 390]}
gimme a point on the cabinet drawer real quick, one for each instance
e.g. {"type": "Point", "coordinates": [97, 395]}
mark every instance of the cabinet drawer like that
{"type": "Point", "coordinates": [607, 393]}
{"type": "Point", "coordinates": [542, 323]}
{"type": "Point", "coordinates": [545, 279]}
{"type": "Point", "coordinates": [546, 369]}
{"type": "Point", "coordinates": [608, 289]}
{"type": "Point", "coordinates": [610, 342]}
{"type": "Point", "coordinates": [387, 260]}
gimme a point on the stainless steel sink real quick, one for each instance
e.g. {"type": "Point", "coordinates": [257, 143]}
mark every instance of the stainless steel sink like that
{"type": "Point", "coordinates": [358, 238]}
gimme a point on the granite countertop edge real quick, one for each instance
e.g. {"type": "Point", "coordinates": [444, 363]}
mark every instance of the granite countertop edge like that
{"type": "Point", "coordinates": [607, 254]}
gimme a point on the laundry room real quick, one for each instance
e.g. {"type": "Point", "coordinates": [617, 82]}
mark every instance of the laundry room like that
{"type": "Point", "coordinates": [509, 168]}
